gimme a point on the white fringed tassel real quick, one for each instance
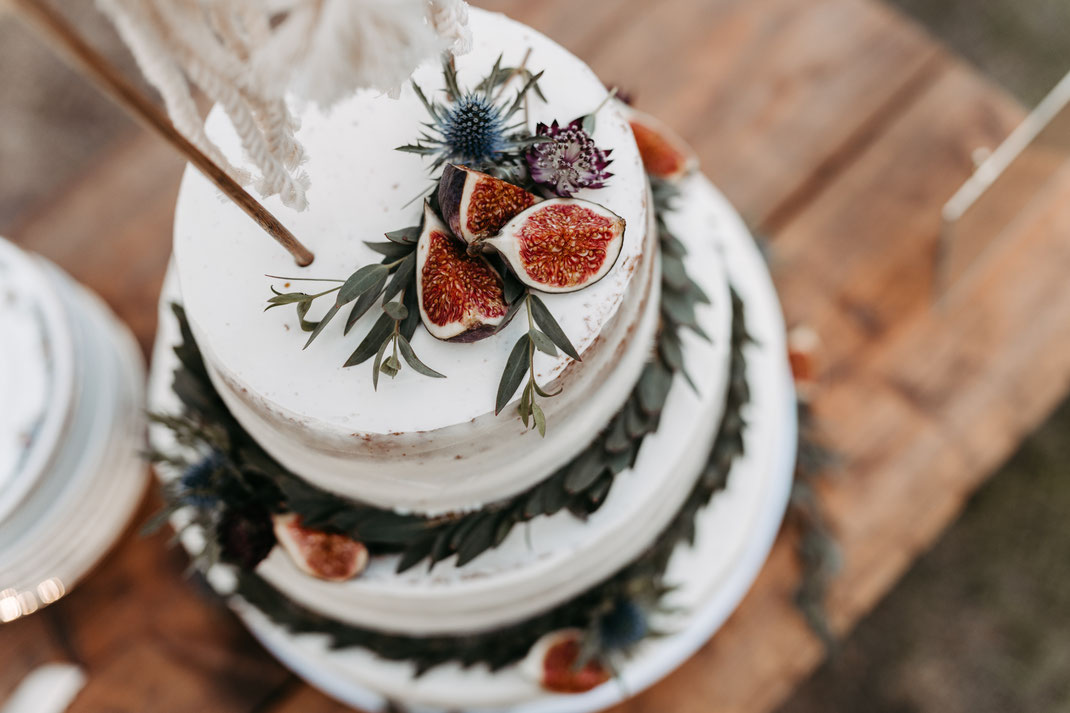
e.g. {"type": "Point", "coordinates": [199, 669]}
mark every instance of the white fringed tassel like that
{"type": "Point", "coordinates": [323, 50]}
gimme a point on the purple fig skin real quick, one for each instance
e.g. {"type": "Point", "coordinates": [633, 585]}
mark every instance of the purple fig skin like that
{"type": "Point", "coordinates": [450, 192]}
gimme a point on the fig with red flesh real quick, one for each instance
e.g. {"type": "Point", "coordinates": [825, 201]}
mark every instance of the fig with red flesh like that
{"type": "Point", "coordinates": [553, 660]}
{"type": "Point", "coordinates": [476, 205]}
{"type": "Point", "coordinates": [326, 555]}
{"type": "Point", "coordinates": [560, 245]}
{"type": "Point", "coordinates": [665, 155]}
{"type": "Point", "coordinates": [461, 296]}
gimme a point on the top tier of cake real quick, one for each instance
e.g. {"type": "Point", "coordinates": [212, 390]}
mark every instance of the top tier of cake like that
{"type": "Point", "coordinates": [428, 445]}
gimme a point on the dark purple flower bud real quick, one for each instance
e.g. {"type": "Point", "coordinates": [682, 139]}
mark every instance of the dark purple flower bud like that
{"type": "Point", "coordinates": [246, 535]}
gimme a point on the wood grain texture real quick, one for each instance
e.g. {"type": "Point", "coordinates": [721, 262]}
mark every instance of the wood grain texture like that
{"type": "Point", "coordinates": [839, 129]}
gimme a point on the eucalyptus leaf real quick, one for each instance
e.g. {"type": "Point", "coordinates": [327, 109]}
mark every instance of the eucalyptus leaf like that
{"type": "Point", "coordinates": [364, 303]}
{"type": "Point", "coordinates": [542, 342]}
{"type": "Point", "coordinates": [412, 360]}
{"type": "Point", "coordinates": [403, 277]}
{"type": "Point", "coordinates": [409, 325]}
{"type": "Point", "coordinates": [525, 404]}
{"type": "Point", "coordinates": [377, 365]}
{"type": "Point", "coordinates": [361, 281]}
{"type": "Point", "coordinates": [396, 310]}
{"type": "Point", "coordinates": [391, 250]}
{"type": "Point", "coordinates": [589, 124]}
{"type": "Point", "coordinates": [323, 323]}
{"type": "Point", "coordinates": [516, 366]}
{"type": "Point", "coordinates": [540, 418]}
{"type": "Point", "coordinates": [584, 470]}
{"type": "Point", "coordinates": [302, 313]}
{"type": "Point", "coordinates": [405, 236]}
{"type": "Point", "coordinates": [377, 335]}
{"type": "Point", "coordinates": [549, 325]}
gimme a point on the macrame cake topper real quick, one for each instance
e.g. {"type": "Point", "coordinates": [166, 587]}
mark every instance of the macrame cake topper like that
{"type": "Point", "coordinates": [247, 55]}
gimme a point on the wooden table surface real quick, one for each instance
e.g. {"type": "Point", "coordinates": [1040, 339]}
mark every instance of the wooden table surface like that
{"type": "Point", "coordinates": [838, 128]}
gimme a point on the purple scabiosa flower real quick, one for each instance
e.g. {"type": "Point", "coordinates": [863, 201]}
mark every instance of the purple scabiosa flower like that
{"type": "Point", "coordinates": [246, 535]}
{"type": "Point", "coordinates": [569, 161]}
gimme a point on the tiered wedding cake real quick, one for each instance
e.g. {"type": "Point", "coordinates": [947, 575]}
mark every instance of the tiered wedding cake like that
{"type": "Point", "coordinates": [510, 531]}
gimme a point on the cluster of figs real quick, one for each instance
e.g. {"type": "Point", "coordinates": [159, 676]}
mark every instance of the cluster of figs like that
{"type": "Point", "coordinates": [551, 245]}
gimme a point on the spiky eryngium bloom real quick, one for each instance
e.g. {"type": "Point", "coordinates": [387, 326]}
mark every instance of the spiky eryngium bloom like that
{"type": "Point", "coordinates": [472, 128]}
{"type": "Point", "coordinates": [569, 161]}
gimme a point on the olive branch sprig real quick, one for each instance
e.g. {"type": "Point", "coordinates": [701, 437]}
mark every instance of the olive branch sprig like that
{"type": "Point", "coordinates": [546, 337]}
{"type": "Point", "coordinates": [393, 281]}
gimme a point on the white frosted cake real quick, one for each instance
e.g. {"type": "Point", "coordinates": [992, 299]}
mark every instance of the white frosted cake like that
{"type": "Point", "coordinates": [511, 413]}
{"type": "Point", "coordinates": [71, 431]}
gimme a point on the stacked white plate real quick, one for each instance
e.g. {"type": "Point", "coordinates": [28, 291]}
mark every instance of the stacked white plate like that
{"type": "Point", "coordinates": [71, 431]}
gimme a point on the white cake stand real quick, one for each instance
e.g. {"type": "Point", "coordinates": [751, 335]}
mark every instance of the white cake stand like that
{"type": "Point", "coordinates": [734, 533]}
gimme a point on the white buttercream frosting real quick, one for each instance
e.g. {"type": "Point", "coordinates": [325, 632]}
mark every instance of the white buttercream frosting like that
{"type": "Point", "coordinates": [35, 373]}
{"type": "Point", "coordinates": [428, 445]}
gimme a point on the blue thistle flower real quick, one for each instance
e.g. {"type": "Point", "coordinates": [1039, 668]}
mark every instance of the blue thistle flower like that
{"type": "Point", "coordinates": [472, 128]}
{"type": "Point", "coordinates": [197, 486]}
{"type": "Point", "coordinates": [623, 626]}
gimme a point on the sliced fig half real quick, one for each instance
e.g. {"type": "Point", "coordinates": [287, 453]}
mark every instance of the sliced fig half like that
{"type": "Point", "coordinates": [476, 205]}
{"type": "Point", "coordinates": [664, 153]}
{"type": "Point", "coordinates": [461, 296]}
{"type": "Point", "coordinates": [552, 663]}
{"type": "Point", "coordinates": [325, 555]}
{"type": "Point", "coordinates": [561, 245]}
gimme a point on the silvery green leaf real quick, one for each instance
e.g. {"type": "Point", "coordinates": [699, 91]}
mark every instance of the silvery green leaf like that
{"type": "Point", "coordinates": [302, 312]}
{"type": "Point", "coordinates": [323, 323]}
{"type": "Point", "coordinates": [540, 418]}
{"type": "Point", "coordinates": [379, 333]}
{"type": "Point", "coordinates": [409, 325]}
{"type": "Point", "coordinates": [405, 236]}
{"type": "Point", "coordinates": [364, 303]}
{"type": "Point", "coordinates": [396, 310]}
{"type": "Point", "coordinates": [515, 369]}
{"type": "Point", "coordinates": [364, 279]}
{"type": "Point", "coordinates": [584, 470]}
{"type": "Point", "coordinates": [402, 276]}
{"type": "Point", "coordinates": [542, 342]}
{"type": "Point", "coordinates": [377, 365]}
{"type": "Point", "coordinates": [549, 325]}
{"type": "Point", "coordinates": [542, 392]}
{"type": "Point", "coordinates": [412, 360]}
{"type": "Point", "coordinates": [654, 385]}
{"type": "Point", "coordinates": [525, 404]}
{"type": "Point", "coordinates": [390, 250]}
{"type": "Point", "coordinates": [589, 124]}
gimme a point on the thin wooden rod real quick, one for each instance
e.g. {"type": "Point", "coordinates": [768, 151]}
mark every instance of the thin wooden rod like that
{"type": "Point", "coordinates": [111, 81]}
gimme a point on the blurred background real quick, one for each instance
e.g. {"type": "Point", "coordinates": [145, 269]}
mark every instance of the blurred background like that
{"type": "Point", "coordinates": [980, 623]}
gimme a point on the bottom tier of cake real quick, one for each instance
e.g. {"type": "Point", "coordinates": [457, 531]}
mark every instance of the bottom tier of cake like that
{"type": "Point", "coordinates": [707, 555]}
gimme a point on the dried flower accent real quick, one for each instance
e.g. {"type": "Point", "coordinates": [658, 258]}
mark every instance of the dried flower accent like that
{"type": "Point", "coordinates": [803, 345]}
{"type": "Point", "coordinates": [475, 127]}
{"type": "Point", "coordinates": [245, 535]}
{"type": "Point", "coordinates": [569, 160]}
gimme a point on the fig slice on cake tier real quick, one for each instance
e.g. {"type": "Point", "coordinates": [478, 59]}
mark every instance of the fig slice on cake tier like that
{"type": "Point", "coordinates": [325, 555]}
{"type": "Point", "coordinates": [559, 245]}
{"type": "Point", "coordinates": [477, 205]}
{"type": "Point", "coordinates": [665, 155]}
{"type": "Point", "coordinates": [461, 296]}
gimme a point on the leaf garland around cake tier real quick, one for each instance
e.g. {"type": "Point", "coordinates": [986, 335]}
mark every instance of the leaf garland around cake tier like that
{"type": "Point", "coordinates": [246, 480]}
{"type": "Point", "coordinates": [640, 583]}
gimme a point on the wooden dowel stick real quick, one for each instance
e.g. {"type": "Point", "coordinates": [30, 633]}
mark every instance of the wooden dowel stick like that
{"type": "Point", "coordinates": [112, 82]}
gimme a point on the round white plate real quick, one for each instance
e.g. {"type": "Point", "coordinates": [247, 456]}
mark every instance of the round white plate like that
{"type": "Point", "coordinates": [734, 534]}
